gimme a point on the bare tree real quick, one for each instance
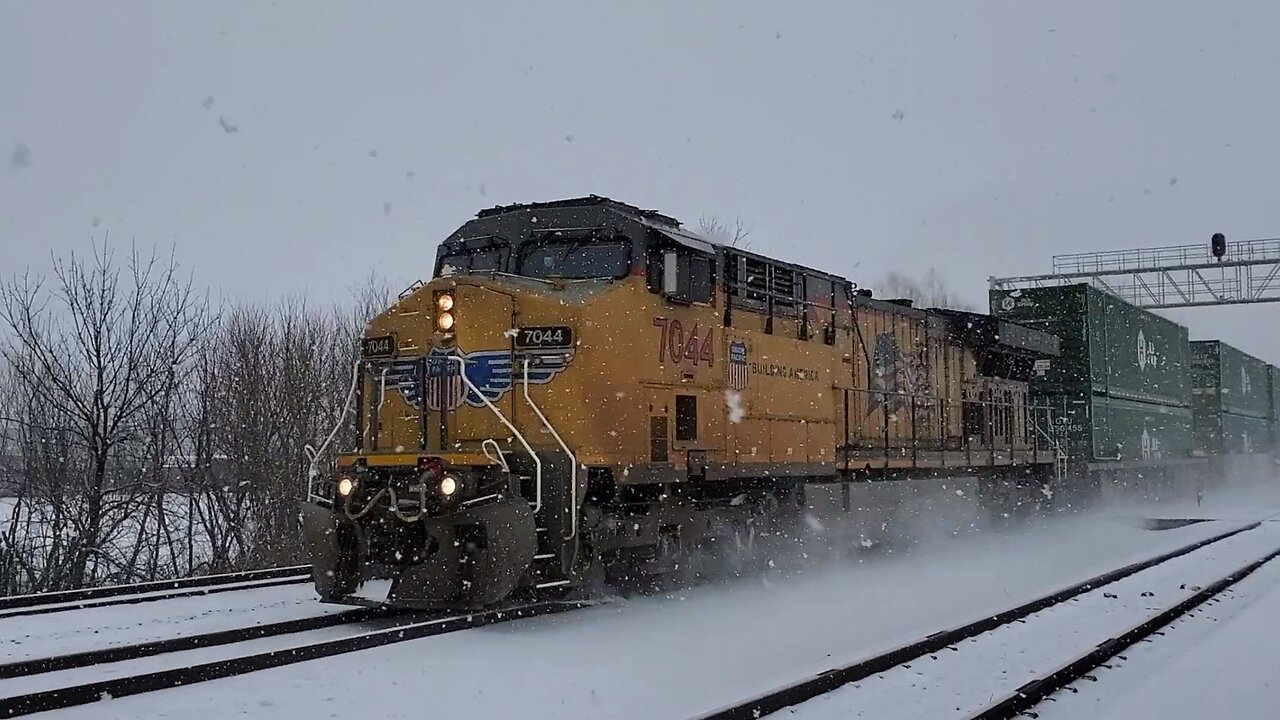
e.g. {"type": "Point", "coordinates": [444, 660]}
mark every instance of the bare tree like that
{"type": "Point", "coordinates": [143, 436]}
{"type": "Point", "coordinates": [371, 297]}
{"type": "Point", "coordinates": [93, 354]}
{"type": "Point", "coordinates": [931, 290]}
{"type": "Point", "coordinates": [734, 235]}
{"type": "Point", "coordinates": [276, 381]}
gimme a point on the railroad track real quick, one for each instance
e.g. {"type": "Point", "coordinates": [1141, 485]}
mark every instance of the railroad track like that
{"type": "Point", "coordinates": [1033, 693]}
{"type": "Point", "coordinates": [931, 648]}
{"type": "Point", "coordinates": [402, 627]}
{"type": "Point", "coordinates": [42, 603]}
{"type": "Point", "coordinates": [137, 651]}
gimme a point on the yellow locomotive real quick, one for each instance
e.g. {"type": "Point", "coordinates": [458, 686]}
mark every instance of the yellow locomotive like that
{"type": "Point", "coordinates": [586, 387]}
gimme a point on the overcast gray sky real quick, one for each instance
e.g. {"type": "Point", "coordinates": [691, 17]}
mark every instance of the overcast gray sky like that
{"type": "Point", "coordinates": [295, 146]}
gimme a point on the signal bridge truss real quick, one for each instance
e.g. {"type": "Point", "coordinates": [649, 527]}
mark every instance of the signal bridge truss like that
{"type": "Point", "coordinates": [1169, 277]}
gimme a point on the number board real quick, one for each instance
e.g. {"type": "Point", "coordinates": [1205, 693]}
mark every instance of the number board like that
{"type": "Point", "coordinates": [380, 346]}
{"type": "Point", "coordinates": [544, 337]}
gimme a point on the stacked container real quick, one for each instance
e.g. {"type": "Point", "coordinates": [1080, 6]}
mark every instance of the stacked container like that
{"type": "Point", "coordinates": [1234, 393]}
{"type": "Point", "coordinates": [1121, 391]}
{"type": "Point", "coordinates": [1275, 411]}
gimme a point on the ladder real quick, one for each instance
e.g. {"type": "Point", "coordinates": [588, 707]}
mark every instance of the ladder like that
{"type": "Point", "coordinates": [556, 549]}
{"type": "Point", "coordinates": [1059, 456]}
{"type": "Point", "coordinates": [554, 556]}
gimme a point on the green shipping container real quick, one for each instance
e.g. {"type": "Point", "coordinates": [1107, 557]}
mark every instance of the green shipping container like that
{"type": "Point", "coordinates": [1237, 383]}
{"type": "Point", "coordinates": [1219, 433]}
{"type": "Point", "coordinates": [1275, 409]}
{"type": "Point", "coordinates": [1274, 372]}
{"type": "Point", "coordinates": [1109, 347]}
{"type": "Point", "coordinates": [1100, 429]}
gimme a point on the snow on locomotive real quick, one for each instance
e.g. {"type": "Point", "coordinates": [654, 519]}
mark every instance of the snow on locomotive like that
{"type": "Point", "coordinates": [584, 387]}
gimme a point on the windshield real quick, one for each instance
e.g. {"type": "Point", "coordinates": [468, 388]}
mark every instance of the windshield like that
{"type": "Point", "coordinates": [477, 261]}
{"type": "Point", "coordinates": [577, 260]}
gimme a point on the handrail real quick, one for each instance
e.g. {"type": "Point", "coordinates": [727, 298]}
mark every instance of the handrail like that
{"type": "Point", "coordinates": [1057, 448]}
{"type": "Point", "coordinates": [573, 460]}
{"type": "Point", "coordinates": [1059, 455]}
{"type": "Point", "coordinates": [1131, 258]}
{"type": "Point", "coordinates": [313, 455]}
{"type": "Point", "coordinates": [497, 457]}
{"type": "Point", "coordinates": [1052, 443]}
{"type": "Point", "coordinates": [537, 462]}
{"type": "Point", "coordinates": [411, 289]}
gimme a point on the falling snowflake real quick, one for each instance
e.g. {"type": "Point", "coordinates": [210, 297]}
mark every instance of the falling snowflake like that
{"type": "Point", "coordinates": [20, 157]}
{"type": "Point", "coordinates": [734, 402]}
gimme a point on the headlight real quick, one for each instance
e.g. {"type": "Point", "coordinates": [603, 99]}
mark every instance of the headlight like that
{"type": "Point", "coordinates": [448, 485]}
{"type": "Point", "coordinates": [345, 486]}
{"type": "Point", "coordinates": [445, 321]}
{"type": "Point", "coordinates": [445, 302]}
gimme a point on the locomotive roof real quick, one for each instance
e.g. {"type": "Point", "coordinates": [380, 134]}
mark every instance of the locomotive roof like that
{"type": "Point", "coordinates": [664, 224]}
{"type": "Point", "coordinates": [993, 332]}
{"type": "Point", "coordinates": [579, 202]}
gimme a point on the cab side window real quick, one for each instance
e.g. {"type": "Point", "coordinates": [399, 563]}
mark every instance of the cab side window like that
{"type": "Point", "coordinates": [682, 275]}
{"type": "Point", "coordinates": [700, 279]}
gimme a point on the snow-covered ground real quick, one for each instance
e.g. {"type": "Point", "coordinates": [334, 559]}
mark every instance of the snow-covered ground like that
{"type": "Point", "coordinates": [682, 654]}
{"type": "Point", "coordinates": [990, 667]}
{"type": "Point", "coordinates": [1222, 661]}
{"type": "Point", "coordinates": [36, 636]}
{"type": "Point", "coordinates": [16, 686]}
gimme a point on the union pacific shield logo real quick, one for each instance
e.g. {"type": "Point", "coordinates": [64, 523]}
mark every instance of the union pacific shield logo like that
{"type": "Point", "coordinates": [491, 371]}
{"type": "Point", "coordinates": [736, 370]}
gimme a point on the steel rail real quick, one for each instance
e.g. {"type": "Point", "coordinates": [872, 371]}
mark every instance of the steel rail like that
{"type": "Point", "coordinates": [135, 651]}
{"type": "Point", "coordinates": [155, 596]}
{"type": "Point", "coordinates": [830, 680]}
{"type": "Point", "coordinates": [66, 596]}
{"type": "Point", "coordinates": [1036, 691]}
{"type": "Point", "coordinates": [71, 696]}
